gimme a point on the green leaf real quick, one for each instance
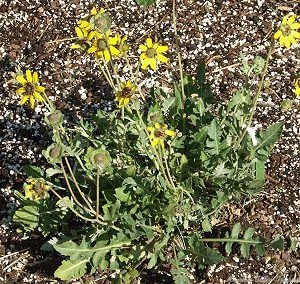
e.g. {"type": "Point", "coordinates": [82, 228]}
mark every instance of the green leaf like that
{"type": "Point", "coordinates": [214, 134]}
{"type": "Point", "coordinates": [33, 172]}
{"type": "Point", "coordinates": [153, 261]}
{"type": "Point", "coordinates": [260, 170]}
{"type": "Point", "coordinates": [200, 77]}
{"type": "Point", "coordinates": [268, 138]}
{"type": "Point", "coordinates": [71, 269]}
{"type": "Point", "coordinates": [28, 216]}
{"type": "Point", "coordinates": [234, 235]}
{"type": "Point", "coordinates": [278, 243]}
{"type": "Point", "coordinates": [51, 172]}
{"type": "Point", "coordinates": [123, 197]}
{"type": "Point", "coordinates": [202, 254]}
{"type": "Point", "coordinates": [206, 225]}
{"type": "Point", "coordinates": [245, 247]}
{"type": "Point", "coordinates": [145, 2]}
{"type": "Point", "coordinates": [167, 103]}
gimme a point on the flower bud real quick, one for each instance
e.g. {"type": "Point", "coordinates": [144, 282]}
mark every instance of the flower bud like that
{"type": "Point", "coordinates": [55, 118]}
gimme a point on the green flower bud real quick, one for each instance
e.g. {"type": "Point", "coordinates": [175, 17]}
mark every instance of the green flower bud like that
{"type": "Point", "coordinates": [53, 153]}
{"type": "Point", "coordinates": [286, 105]}
{"type": "Point", "coordinates": [101, 22]}
{"type": "Point", "coordinates": [97, 159]}
{"type": "Point", "coordinates": [55, 118]}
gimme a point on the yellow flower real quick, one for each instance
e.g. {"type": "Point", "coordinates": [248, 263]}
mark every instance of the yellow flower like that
{"type": "Point", "coordinates": [288, 31]}
{"type": "Point", "coordinates": [121, 44]}
{"type": "Point", "coordinates": [36, 189]}
{"type": "Point", "coordinates": [30, 89]}
{"type": "Point", "coordinates": [104, 46]}
{"type": "Point", "coordinates": [152, 53]}
{"type": "Point", "coordinates": [297, 87]}
{"type": "Point", "coordinates": [127, 92]}
{"type": "Point", "coordinates": [158, 134]}
{"type": "Point", "coordinates": [85, 36]}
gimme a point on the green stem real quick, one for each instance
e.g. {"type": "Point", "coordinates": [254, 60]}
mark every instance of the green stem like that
{"type": "Point", "coordinates": [255, 99]}
{"type": "Point", "coordinates": [97, 193]}
{"type": "Point", "coordinates": [78, 188]}
{"type": "Point", "coordinates": [180, 67]}
{"type": "Point", "coordinates": [231, 240]}
{"type": "Point", "coordinates": [107, 76]}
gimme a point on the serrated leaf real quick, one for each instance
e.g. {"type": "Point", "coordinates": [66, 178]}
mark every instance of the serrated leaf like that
{"type": "Point", "coordinates": [27, 215]}
{"type": "Point", "coordinates": [180, 275]}
{"type": "Point", "coordinates": [123, 197]}
{"type": "Point", "coordinates": [245, 247]}
{"type": "Point", "coordinates": [234, 235]}
{"type": "Point", "coordinates": [33, 171]}
{"type": "Point", "coordinates": [214, 134]}
{"type": "Point", "coordinates": [71, 269]}
{"type": "Point", "coordinates": [269, 137]}
{"type": "Point", "coordinates": [260, 248]}
{"type": "Point", "coordinates": [51, 172]}
{"type": "Point", "coordinates": [278, 243]}
{"type": "Point", "coordinates": [220, 171]}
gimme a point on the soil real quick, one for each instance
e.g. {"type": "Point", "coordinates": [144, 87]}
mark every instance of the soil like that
{"type": "Point", "coordinates": [36, 35]}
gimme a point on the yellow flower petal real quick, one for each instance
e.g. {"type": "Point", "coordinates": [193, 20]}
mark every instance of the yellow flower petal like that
{"type": "Point", "coordinates": [145, 63]}
{"type": "Point", "coordinates": [154, 142]}
{"type": "Point", "coordinates": [38, 96]}
{"type": "Point", "coordinates": [92, 49]}
{"type": "Point", "coordinates": [93, 11]}
{"type": "Point", "coordinates": [152, 63]}
{"type": "Point", "coordinates": [151, 128]}
{"type": "Point", "coordinates": [278, 34]}
{"type": "Point", "coordinates": [282, 40]}
{"type": "Point", "coordinates": [35, 78]}
{"type": "Point", "coordinates": [287, 42]}
{"type": "Point", "coordinates": [149, 42]}
{"type": "Point", "coordinates": [285, 19]}
{"type": "Point", "coordinates": [31, 101]}
{"type": "Point", "coordinates": [170, 132]}
{"type": "Point", "coordinates": [162, 48]}
{"type": "Point", "coordinates": [114, 51]}
{"type": "Point", "coordinates": [292, 40]}
{"type": "Point", "coordinates": [291, 20]}
{"type": "Point", "coordinates": [20, 91]}
{"type": "Point", "coordinates": [295, 34]}
{"type": "Point", "coordinates": [24, 99]}
{"type": "Point", "coordinates": [295, 26]}
{"type": "Point", "coordinates": [40, 89]}
{"type": "Point", "coordinates": [143, 48]}
{"type": "Point", "coordinates": [29, 76]}
{"type": "Point", "coordinates": [106, 55]}
{"type": "Point", "coordinates": [162, 58]}
{"type": "Point", "coordinates": [75, 46]}
{"type": "Point", "coordinates": [21, 79]}
{"type": "Point", "coordinates": [79, 32]}
{"type": "Point", "coordinates": [143, 56]}
{"type": "Point", "coordinates": [157, 125]}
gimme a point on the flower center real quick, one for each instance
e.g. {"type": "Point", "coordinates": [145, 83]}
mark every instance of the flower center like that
{"type": "Point", "coordinates": [101, 44]}
{"type": "Point", "coordinates": [151, 52]}
{"type": "Point", "coordinates": [29, 88]}
{"type": "Point", "coordinates": [286, 30]}
{"type": "Point", "coordinates": [159, 133]}
{"type": "Point", "coordinates": [126, 92]}
{"type": "Point", "coordinates": [99, 159]}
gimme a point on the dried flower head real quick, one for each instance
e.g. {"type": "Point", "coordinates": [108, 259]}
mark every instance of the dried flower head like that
{"type": "Point", "coordinates": [152, 53]}
{"type": "Point", "coordinates": [30, 90]}
{"type": "Point", "coordinates": [288, 31]}
{"type": "Point", "coordinates": [97, 159]}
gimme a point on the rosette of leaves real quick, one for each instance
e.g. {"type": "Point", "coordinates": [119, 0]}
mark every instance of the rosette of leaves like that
{"type": "Point", "coordinates": [97, 159]}
{"type": "Point", "coordinates": [55, 118]}
{"type": "Point", "coordinates": [53, 153]}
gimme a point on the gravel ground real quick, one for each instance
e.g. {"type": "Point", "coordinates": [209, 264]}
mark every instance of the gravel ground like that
{"type": "Point", "coordinates": [218, 30]}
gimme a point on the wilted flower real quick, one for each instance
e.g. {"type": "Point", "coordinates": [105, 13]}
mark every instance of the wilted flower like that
{"type": "Point", "coordinates": [158, 134]}
{"type": "Point", "coordinates": [104, 46]}
{"type": "Point", "coordinates": [125, 94]}
{"type": "Point", "coordinates": [152, 53]}
{"type": "Point", "coordinates": [36, 189]}
{"type": "Point", "coordinates": [53, 153]}
{"type": "Point", "coordinates": [30, 89]}
{"type": "Point", "coordinates": [297, 87]}
{"type": "Point", "coordinates": [288, 31]}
